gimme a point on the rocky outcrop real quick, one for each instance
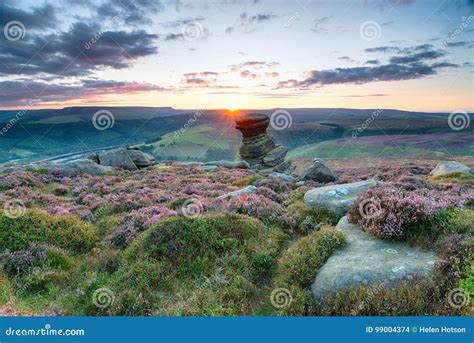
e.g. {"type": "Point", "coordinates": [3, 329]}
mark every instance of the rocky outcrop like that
{"type": "Point", "coordinates": [129, 159]}
{"type": "Point", "coordinates": [118, 158]}
{"type": "Point", "coordinates": [337, 199]}
{"type": "Point", "coordinates": [83, 166]}
{"type": "Point", "coordinates": [258, 148]}
{"type": "Point", "coordinates": [446, 168]}
{"type": "Point", "coordinates": [140, 158]}
{"type": "Point", "coordinates": [367, 260]}
{"type": "Point", "coordinates": [318, 172]}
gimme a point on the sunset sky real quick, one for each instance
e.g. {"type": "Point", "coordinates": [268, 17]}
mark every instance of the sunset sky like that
{"type": "Point", "coordinates": [411, 55]}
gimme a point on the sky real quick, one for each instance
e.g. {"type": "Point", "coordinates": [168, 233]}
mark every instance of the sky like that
{"type": "Point", "coordinates": [401, 54]}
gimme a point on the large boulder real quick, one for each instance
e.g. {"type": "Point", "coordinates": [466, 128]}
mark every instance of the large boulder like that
{"type": "Point", "coordinates": [141, 159]}
{"type": "Point", "coordinates": [367, 260]}
{"type": "Point", "coordinates": [117, 158]}
{"type": "Point", "coordinates": [83, 166]}
{"type": "Point", "coordinates": [337, 199]}
{"type": "Point", "coordinates": [445, 168]}
{"type": "Point", "coordinates": [319, 172]}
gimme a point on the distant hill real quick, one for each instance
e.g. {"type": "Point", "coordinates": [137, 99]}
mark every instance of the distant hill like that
{"type": "Point", "coordinates": [40, 134]}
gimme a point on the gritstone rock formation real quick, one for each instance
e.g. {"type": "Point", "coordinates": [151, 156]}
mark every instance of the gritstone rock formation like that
{"type": "Point", "coordinates": [258, 148]}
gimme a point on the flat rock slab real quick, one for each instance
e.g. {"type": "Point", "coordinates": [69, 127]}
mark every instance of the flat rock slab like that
{"type": "Point", "coordinates": [367, 260]}
{"type": "Point", "coordinates": [446, 168]}
{"type": "Point", "coordinates": [337, 199]}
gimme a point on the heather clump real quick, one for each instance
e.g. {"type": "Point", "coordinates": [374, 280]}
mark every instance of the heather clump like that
{"type": "Point", "coordinates": [184, 266]}
{"type": "Point", "coordinates": [257, 206]}
{"type": "Point", "coordinates": [298, 265]}
{"type": "Point", "coordinates": [19, 179]}
{"type": "Point", "coordinates": [137, 221]}
{"type": "Point", "coordinates": [22, 262]}
{"type": "Point", "coordinates": [275, 184]}
{"type": "Point", "coordinates": [389, 210]}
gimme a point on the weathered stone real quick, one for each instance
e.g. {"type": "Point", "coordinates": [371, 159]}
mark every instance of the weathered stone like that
{"type": "Point", "coordinates": [117, 158]}
{"type": "Point", "coordinates": [319, 172]}
{"type": "Point", "coordinates": [337, 199]}
{"type": "Point", "coordinates": [246, 190]}
{"type": "Point", "coordinates": [207, 168]}
{"type": "Point", "coordinates": [445, 168]}
{"type": "Point", "coordinates": [284, 177]}
{"type": "Point", "coordinates": [230, 164]}
{"type": "Point", "coordinates": [83, 166]}
{"type": "Point", "coordinates": [275, 156]}
{"type": "Point", "coordinates": [367, 260]}
{"type": "Point", "coordinates": [140, 158]}
{"type": "Point", "coordinates": [258, 148]}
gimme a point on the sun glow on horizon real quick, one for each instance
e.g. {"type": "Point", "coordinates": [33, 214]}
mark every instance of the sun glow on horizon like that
{"type": "Point", "coordinates": [232, 107]}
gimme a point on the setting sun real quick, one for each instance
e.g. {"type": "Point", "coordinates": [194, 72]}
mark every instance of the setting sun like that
{"type": "Point", "coordinates": [233, 106]}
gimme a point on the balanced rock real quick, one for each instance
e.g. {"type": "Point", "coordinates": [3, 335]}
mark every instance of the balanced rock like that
{"type": "Point", "coordinates": [319, 172]}
{"type": "Point", "coordinates": [258, 148]}
{"type": "Point", "coordinates": [368, 260]}
{"type": "Point", "coordinates": [445, 168]}
{"type": "Point", "coordinates": [337, 199]}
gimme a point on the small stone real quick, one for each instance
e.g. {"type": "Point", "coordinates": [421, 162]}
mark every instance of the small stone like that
{"type": "Point", "coordinates": [246, 190]}
{"type": "Point", "coordinates": [319, 172]}
{"type": "Point", "coordinates": [284, 177]}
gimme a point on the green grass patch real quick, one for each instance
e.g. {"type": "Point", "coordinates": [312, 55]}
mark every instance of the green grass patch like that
{"type": "Point", "coordinates": [67, 232]}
